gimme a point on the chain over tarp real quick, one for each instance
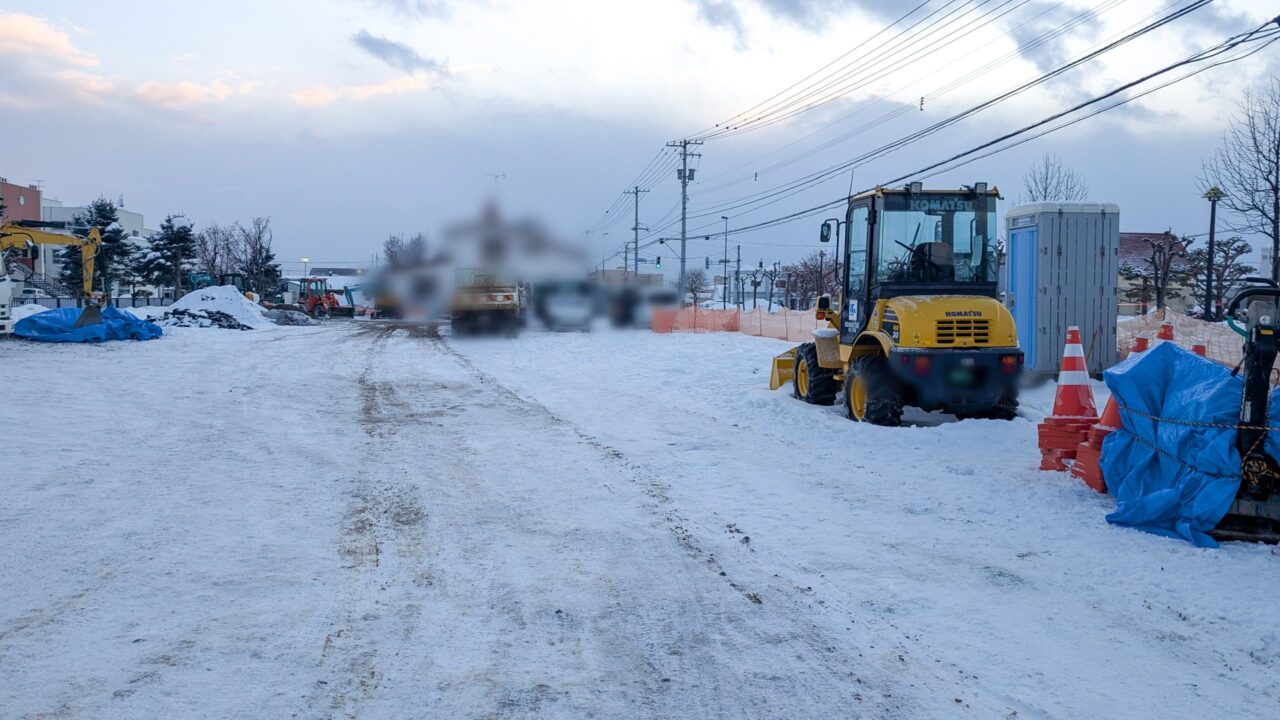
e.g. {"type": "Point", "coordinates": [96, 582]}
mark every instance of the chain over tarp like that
{"type": "Point", "coordinates": [1174, 467]}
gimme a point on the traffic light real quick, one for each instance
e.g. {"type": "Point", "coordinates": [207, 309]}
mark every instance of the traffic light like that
{"type": "Point", "coordinates": [706, 263]}
{"type": "Point", "coordinates": [658, 264]}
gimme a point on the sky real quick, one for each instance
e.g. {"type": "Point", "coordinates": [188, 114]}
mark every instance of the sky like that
{"type": "Point", "coordinates": [349, 120]}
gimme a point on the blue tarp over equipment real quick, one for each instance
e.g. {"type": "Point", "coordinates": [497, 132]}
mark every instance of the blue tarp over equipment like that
{"type": "Point", "coordinates": [59, 326]}
{"type": "Point", "coordinates": [1174, 467]}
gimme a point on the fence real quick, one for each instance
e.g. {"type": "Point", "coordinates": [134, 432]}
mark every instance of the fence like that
{"type": "Point", "coordinates": [65, 302]}
{"type": "Point", "coordinates": [793, 325]}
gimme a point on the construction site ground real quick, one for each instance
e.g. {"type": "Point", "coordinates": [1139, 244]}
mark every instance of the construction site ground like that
{"type": "Point", "coordinates": [366, 520]}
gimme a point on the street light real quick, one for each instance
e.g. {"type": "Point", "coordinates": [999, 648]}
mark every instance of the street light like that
{"type": "Point", "coordinates": [1213, 195]}
{"type": "Point", "coordinates": [305, 260]}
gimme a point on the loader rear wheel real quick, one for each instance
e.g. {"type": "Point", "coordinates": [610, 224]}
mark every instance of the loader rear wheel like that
{"type": "Point", "coordinates": [811, 383]}
{"type": "Point", "coordinates": [870, 393]}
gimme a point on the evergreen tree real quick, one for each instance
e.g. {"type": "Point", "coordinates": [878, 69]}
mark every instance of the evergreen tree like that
{"type": "Point", "coordinates": [1229, 269]}
{"type": "Point", "coordinates": [169, 254]}
{"type": "Point", "coordinates": [115, 255]}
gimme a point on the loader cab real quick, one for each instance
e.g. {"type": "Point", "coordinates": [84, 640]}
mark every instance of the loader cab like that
{"type": "Point", "coordinates": [915, 242]}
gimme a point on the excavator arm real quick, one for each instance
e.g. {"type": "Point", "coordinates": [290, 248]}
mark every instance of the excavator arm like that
{"type": "Point", "coordinates": [16, 235]}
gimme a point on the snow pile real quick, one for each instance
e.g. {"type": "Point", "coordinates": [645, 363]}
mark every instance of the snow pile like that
{"type": "Point", "coordinates": [222, 306]}
{"type": "Point", "coordinates": [22, 312]}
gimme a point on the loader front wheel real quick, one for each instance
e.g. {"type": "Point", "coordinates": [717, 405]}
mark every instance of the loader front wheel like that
{"type": "Point", "coordinates": [810, 382]}
{"type": "Point", "coordinates": [871, 394]}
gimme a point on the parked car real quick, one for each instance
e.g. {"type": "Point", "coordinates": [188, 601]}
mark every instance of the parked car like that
{"type": "Point", "coordinates": [29, 295]}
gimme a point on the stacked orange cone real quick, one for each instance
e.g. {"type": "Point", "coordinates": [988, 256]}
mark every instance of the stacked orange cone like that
{"type": "Point", "coordinates": [1073, 410]}
{"type": "Point", "coordinates": [1088, 466]}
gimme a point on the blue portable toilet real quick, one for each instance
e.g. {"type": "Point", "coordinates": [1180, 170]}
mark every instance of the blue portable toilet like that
{"type": "Point", "coordinates": [1062, 269]}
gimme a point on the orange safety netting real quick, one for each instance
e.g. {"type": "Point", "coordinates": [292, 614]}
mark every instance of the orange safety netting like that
{"type": "Point", "coordinates": [793, 325]}
{"type": "Point", "coordinates": [695, 319]}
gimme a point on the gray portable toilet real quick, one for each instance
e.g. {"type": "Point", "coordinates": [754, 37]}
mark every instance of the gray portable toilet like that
{"type": "Point", "coordinates": [1062, 269]}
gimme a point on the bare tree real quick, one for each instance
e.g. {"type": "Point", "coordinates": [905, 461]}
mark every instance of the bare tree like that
{"type": "Point", "coordinates": [213, 250]}
{"type": "Point", "coordinates": [813, 276]}
{"type": "Point", "coordinates": [400, 251]}
{"type": "Point", "coordinates": [771, 275]}
{"type": "Point", "coordinates": [1158, 277]}
{"type": "Point", "coordinates": [1051, 181]}
{"type": "Point", "coordinates": [1247, 168]}
{"type": "Point", "coordinates": [695, 283]}
{"type": "Point", "coordinates": [254, 256]}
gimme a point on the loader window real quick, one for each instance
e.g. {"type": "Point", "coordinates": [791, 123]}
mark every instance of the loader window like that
{"type": "Point", "coordinates": [936, 238]}
{"type": "Point", "coordinates": [857, 252]}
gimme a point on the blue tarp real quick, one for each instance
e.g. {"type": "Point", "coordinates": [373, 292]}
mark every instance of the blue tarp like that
{"type": "Point", "coordinates": [1185, 490]}
{"type": "Point", "coordinates": [59, 326]}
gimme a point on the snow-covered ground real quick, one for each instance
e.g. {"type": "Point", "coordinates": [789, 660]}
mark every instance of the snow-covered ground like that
{"type": "Point", "coordinates": [360, 520]}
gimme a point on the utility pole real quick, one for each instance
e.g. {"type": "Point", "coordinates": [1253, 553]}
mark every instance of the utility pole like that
{"type": "Point", "coordinates": [737, 278]}
{"type": "Point", "coordinates": [686, 176]}
{"type": "Point", "coordinates": [724, 295]}
{"type": "Point", "coordinates": [635, 229]}
{"type": "Point", "coordinates": [1213, 195]}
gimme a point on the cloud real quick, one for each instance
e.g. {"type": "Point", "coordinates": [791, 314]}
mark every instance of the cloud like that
{"type": "Point", "coordinates": [811, 15]}
{"type": "Point", "coordinates": [322, 95]}
{"type": "Point", "coordinates": [33, 38]}
{"type": "Point", "coordinates": [184, 94]}
{"type": "Point", "coordinates": [396, 54]}
{"type": "Point", "coordinates": [723, 14]}
{"type": "Point", "coordinates": [417, 8]}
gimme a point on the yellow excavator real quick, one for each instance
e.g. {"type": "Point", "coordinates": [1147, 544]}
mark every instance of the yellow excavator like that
{"type": "Point", "coordinates": [15, 235]}
{"type": "Point", "coordinates": [917, 321]}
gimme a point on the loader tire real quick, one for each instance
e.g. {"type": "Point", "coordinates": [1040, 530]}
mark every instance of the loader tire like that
{"type": "Point", "coordinates": [871, 392]}
{"type": "Point", "coordinates": [811, 383]}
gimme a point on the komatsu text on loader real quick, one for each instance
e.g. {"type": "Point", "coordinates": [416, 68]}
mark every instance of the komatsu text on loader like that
{"type": "Point", "coordinates": [917, 321]}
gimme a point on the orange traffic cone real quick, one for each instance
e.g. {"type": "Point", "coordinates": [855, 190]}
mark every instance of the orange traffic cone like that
{"type": "Point", "coordinates": [1140, 344]}
{"type": "Point", "coordinates": [1166, 332]}
{"type": "Point", "coordinates": [1110, 415]}
{"type": "Point", "coordinates": [1062, 434]}
{"type": "Point", "coordinates": [1074, 398]}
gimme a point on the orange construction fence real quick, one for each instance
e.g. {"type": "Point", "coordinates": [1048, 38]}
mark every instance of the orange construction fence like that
{"type": "Point", "coordinates": [793, 325]}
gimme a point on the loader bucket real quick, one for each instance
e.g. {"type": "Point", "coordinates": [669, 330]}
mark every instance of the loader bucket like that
{"type": "Point", "coordinates": [91, 315]}
{"type": "Point", "coordinates": [784, 368]}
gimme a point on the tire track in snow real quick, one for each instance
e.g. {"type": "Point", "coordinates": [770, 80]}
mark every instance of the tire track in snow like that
{"type": "Point", "coordinates": [382, 530]}
{"type": "Point", "coordinates": [871, 690]}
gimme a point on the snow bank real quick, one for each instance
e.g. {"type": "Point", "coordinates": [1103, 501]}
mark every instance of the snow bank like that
{"type": "Point", "coordinates": [22, 312]}
{"type": "Point", "coordinates": [223, 299]}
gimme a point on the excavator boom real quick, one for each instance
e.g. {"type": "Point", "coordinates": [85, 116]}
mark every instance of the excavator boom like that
{"type": "Point", "coordinates": [15, 236]}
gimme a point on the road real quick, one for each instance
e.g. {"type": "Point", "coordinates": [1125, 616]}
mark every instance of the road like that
{"type": "Point", "coordinates": [369, 521]}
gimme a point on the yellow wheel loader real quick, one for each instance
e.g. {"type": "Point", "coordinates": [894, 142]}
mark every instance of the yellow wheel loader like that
{"type": "Point", "coordinates": [917, 321]}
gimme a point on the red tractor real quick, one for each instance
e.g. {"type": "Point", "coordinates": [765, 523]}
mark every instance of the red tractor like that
{"type": "Point", "coordinates": [315, 298]}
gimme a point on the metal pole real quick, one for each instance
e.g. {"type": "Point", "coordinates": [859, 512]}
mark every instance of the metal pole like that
{"type": "Point", "coordinates": [1210, 310]}
{"type": "Point", "coordinates": [737, 276]}
{"type": "Point", "coordinates": [724, 294]}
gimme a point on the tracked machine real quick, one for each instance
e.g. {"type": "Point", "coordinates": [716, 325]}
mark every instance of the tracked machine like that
{"type": "Point", "coordinates": [1255, 512]}
{"type": "Point", "coordinates": [917, 321]}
